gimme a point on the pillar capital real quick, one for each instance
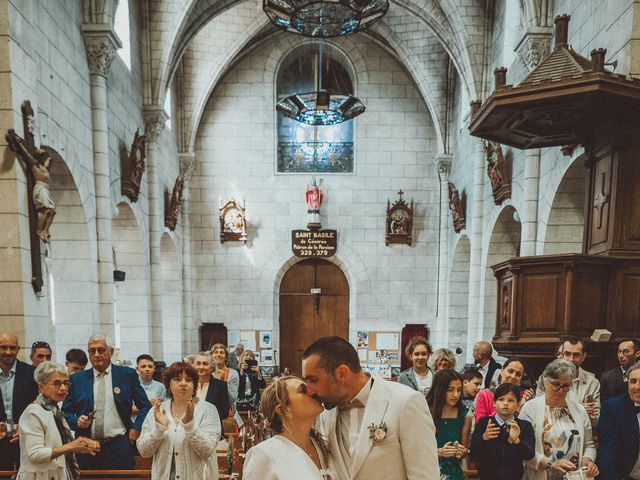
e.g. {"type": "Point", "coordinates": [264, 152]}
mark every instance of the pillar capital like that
{"type": "Point", "coordinates": [187, 164]}
{"type": "Point", "coordinates": [101, 44]}
{"type": "Point", "coordinates": [443, 164]}
{"type": "Point", "coordinates": [155, 119]}
{"type": "Point", "coordinates": [534, 46]}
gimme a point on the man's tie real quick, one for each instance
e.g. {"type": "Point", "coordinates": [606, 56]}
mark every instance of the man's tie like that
{"type": "Point", "coordinates": [98, 403]}
{"type": "Point", "coordinates": [343, 407]}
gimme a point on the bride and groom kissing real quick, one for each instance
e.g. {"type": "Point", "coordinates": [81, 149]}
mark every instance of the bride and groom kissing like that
{"type": "Point", "coordinates": [339, 423]}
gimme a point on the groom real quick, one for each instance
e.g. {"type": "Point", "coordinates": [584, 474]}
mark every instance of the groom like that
{"type": "Point", "coordinates": [380, 429]}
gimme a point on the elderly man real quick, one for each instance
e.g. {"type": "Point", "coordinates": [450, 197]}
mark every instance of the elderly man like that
{"type": "Point", "coordinates": [100, 405]}
{"type": "Point", "coordinates": [614, 382]}
{"type": "Point", "coordinates": [17, 390]}
{"type": "Point", "coordinates": [619, 430]}
{"type": "Point", "coordinates": [234, 358]}
{"type": "Point", "coordinates": [585, 388]}
{"type": "Point", "coordinates": [488, 367]}
{"type": "Point", "coordinates": [380, 429]}
{"type": "Point", "coordinates": [40, 352]}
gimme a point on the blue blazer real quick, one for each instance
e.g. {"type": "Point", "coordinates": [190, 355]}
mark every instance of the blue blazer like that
{"type": "Point", "coordinates": [25, 391]}
{"type": "Point", "coordinates": [619, 438]}
{"type": "Point", "coordinates": [126, 391]}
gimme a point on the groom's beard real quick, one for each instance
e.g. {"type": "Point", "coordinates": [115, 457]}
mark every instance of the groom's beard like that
{"type": "Point", "coordinates": [326, 403]}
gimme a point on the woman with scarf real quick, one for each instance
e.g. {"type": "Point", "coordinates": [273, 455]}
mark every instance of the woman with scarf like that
{"type": "Point", "coordinates": [47, 447]}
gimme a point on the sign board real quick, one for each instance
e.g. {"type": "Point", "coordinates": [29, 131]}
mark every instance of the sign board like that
{"type": "Point", "coordinates": [310, 243]}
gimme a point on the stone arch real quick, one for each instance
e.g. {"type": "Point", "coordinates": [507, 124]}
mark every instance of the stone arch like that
{"type": "Point", "coordinates": [130, 254]}
{"type": "Point", "coordinates": [565, 224]}
{"type": "Point", "coordinates": [458, 293]}
{"type": "Point", "coordinates": [504, 243]}
{"type": "Point", "coordinates": [171, 300]}
{"type": "Point", "coordinates": [71, 275]}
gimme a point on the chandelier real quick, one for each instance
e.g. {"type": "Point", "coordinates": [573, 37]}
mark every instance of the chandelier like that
{"type": "Point", "coordinates": [320, 107]}
{"type": "Point", "coordinates": [324, 18]}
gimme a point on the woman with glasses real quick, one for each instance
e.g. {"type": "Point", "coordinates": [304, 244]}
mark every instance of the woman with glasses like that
{"type": "Point", "coordinates": [181, 432]}
{"type": "Point", "coordinates": [443, 358]}
{"type": "Point", "coordinates": [47, 446]}
{"type": "Point", "coordinates": [561, 426]}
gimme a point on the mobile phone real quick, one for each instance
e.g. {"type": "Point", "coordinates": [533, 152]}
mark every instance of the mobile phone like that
{"type": "Point", "coordinates": [589, 399]}
{"type": "Point", "coordinates": [251, 363]}
{"type": "Point", "coordinates": [91, 415]}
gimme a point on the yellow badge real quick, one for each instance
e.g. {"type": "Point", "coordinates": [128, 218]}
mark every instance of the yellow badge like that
{"type": "Point", "coordinates": [116, 390]}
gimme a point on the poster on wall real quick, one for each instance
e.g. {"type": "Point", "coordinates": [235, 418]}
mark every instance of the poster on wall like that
{"type": "Point", "coordinates": [248, 339]}
{"type": "Point", "coordinates": [363, 339]}
{"type": "Point", "coordinates": [265, 339]}
{"type": "Point", "coordinates": [387, 341]}
{"type": "Point", "coordinates": [267, 357]}
{"type": "Point", "coordinates": [362, 354]}
{"type": "Point", "coordinates": [233, 338]}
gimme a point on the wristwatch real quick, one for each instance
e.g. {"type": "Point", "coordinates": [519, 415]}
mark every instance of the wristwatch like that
{"type": "Point", "coordinates": [549, 466]}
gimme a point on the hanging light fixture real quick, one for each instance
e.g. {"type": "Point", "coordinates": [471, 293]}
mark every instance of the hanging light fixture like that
{"type": "Point", "coordinates": [324, 18]}
{"type": "Point", "coordinates": [320, 107]}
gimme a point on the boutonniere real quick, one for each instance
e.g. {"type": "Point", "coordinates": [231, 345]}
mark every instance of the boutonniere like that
{"type": "Point", "coordinates": [377, 433]}
{"type": "Point", "coordinates": [116, 390]}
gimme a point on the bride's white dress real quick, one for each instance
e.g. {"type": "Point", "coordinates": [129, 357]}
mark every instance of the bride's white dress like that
{"type": "Point", "coordinates": [280, 459]}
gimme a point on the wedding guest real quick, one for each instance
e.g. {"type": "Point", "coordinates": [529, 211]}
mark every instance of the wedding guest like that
{"type": "Point", "coordinates": [443, 358]}
{"type": "Point", "coordinates": [47, 446]}
{"type": "Point", "coordinates": [211, 389]}
{"type": "Point", "coordinates": [40, 352]}
{"type": "Point", "coordinates": [613, 383]}
{"type": "Point", "coordinates": [220, 356]}
{"type": "Point", "coordinates": [251, 382]}
{"type": "Point", "coordinates": [561, 426]}
{"type": "Point", "coordinates": [471, 386]}
{"type": "Point", "coordinates": [75, 360]}
{"type": "Point", "coordinates": [488, 366]}
{"type": "Point", "coordinates": [512, 372]}
{"type": "Point", "coordinates": [234, 358]}
{"type": "Point", "coordinates": [452, 421]}
{"type": "Point", "coordinates": [181, 433]}
{"type": "Point", "coordinates": [146, 367]}
{"type": "Point", "coordinates": [297, 450]}
{"type": "Point", "coordinates": [419, 376]}
{"type": "Point", "coordinates": [501, 443]}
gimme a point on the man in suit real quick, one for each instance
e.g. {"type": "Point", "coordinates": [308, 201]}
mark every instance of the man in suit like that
{"type": "Point", "coordinates": [99, 406]}
{"type": "Point", "coordinates": [17, 390]}
{"type": "Point", "coordinates": [614, 382]}
{"type": "Point", "coordinates": [234, 358]}
{"type": "Point", "coordinates": [487, 365]}
{"type": "Point", "coordinates": [379, 430]}
{"type": "Point", "coordinates": [619, 432]}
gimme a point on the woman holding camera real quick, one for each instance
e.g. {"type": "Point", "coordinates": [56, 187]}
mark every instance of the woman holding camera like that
{"type": "Point", "coordinates": [251, 382]}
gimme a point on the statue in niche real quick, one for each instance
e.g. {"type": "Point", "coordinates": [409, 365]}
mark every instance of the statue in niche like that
{"type": "Point", "coordinates": [134, 167]}
{"type": "Point", "coordinates": [313, 197]}
{"type": "Point", "coordinates": [233, 223]}
{"type": "Point", "coordinates": [498, 172]}
{"type": "Point", "coordinates": [175, 204]}
{"type": "Point", "coordinates": [38, 161]}
{"type": "Point", "coordinates": [456, 205]}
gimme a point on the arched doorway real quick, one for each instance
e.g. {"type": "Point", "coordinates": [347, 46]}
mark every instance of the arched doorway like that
{"type": "Point", "coordinates": [314, 302]}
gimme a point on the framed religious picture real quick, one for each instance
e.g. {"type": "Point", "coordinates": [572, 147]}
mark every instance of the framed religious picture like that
{"type": "Point", "coordinates": [233, 223]}
{"type": "Point", "coordinates": [399, 221]}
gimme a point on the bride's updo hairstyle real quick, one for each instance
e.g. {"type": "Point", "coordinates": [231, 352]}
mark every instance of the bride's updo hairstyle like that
{"type": "Point", "coordinates": [275, 395]}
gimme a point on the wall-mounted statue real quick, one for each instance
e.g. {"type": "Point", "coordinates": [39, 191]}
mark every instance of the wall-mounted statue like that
{"type": "Point", "coordinates": [457, 207]}
{"type": "Point", "coordinates": [399, 221]}
{"type": "Point", "coordinates": [498, 170]}
{"type": "Point", "coordinates": [134, 167]}
{"type": "Point", "coordinates": [233, 222]}
{"type": "Point", "coordinates": [174, 205]}
{"type": "Point", "coordinates": [313, 196]}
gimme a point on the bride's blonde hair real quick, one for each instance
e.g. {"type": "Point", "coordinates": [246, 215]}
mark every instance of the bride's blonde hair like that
{"type": "Point", "coordinates": [276, 395]}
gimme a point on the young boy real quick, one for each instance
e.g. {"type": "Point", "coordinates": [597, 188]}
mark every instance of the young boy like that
{"type": "Point", "coordinates": [500, 443]}
{"type": "Point", "coordinates": [471, 385]}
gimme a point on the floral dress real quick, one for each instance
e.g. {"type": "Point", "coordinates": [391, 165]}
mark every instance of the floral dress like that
{"type": "Point", "coordinates": [450, 430]}
{"type": "Point", "coordinates": [560, 438]}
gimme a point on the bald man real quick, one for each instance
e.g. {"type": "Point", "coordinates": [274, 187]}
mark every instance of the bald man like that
{"type": "Point", "coordinates": [488, 367]}
{"type": "Point", "coordinates": [17, 390]}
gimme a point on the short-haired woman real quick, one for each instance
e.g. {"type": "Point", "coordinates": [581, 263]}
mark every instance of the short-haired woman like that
{"type": "Point", "coordinates": [443, 358]}
{"type": "Point", "coordinates": [562, 428]}
{"type": "Point", "coordinates": [182, 433]}
{"type": "Point", "coordinates": [220, 356]}
{"type": "Point", "coordinates": [209, 388]}
{"type": "Point", "coordinates": [296, 450]}
{"type": "Point", "coordinates": [419, 376]}
{"type": "Point", "coordinates": [47, 446]}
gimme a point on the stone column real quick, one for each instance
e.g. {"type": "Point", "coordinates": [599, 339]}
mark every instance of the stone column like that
{"type": "Point", "coordinates": [101, 44]}
{"type": "Point", "coordinates": [443, 164]}
{"type": "Point", "coordinates": [189, 330]}
{"type": "Point", "coordinates": [154, 120]}
{"type": "Point", "coordinates": [529, 214]}
{"type": "Point", "coordinates": [475, 320]}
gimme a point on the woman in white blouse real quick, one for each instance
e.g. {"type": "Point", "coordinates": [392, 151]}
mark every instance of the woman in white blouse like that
{"type": "Point", "coordinates": [297, 450]}
{"type": "Point", "coordinates": [181, 433]}
{"type": "Point", "coordinates": [47, 447]}
{"type": "Point", "coordinates": [561, 426]}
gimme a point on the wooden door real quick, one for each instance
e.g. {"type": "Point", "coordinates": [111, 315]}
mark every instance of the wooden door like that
{"type": "Point", "coordinates": [307, 316]}
{"type": "Point", "coordinates": [212, 333]}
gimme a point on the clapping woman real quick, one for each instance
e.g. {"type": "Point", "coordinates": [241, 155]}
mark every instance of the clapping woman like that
{"type": "Point", "coordinates": [47, 446]}
{"type": "Point", "coordinates": [181, 433]}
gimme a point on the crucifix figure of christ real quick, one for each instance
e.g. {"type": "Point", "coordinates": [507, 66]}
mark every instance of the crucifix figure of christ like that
{"type": "Point", "coordinates": [38, 161]}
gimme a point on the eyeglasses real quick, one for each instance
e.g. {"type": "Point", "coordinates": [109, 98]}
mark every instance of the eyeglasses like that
{"type": "Point", "coordinates": [556, 387]}
{"type": "Point", "coordinates": [40, 345]}
{"type": "Point", "coordinates": [626, 351]}
{"type": "Point", "coordinates": [57, 384]}
{"type": "Point", "coordinates": [99, 351]}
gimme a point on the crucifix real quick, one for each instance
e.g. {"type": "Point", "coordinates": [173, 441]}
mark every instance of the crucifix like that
{"type": "Point", "coordinates": [37, 162]}
{"type": "Point", "coordinates": [601, 199]}
{"type": "Point", "coordinates": [400, 193]}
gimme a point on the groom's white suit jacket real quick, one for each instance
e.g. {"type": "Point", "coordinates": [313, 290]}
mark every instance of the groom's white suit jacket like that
{"type": "Point", "coordinates": [408, 450]}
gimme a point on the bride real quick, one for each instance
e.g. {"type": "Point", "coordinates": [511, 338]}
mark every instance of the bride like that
{"type": "Point", "coordinates": [296, 450]}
